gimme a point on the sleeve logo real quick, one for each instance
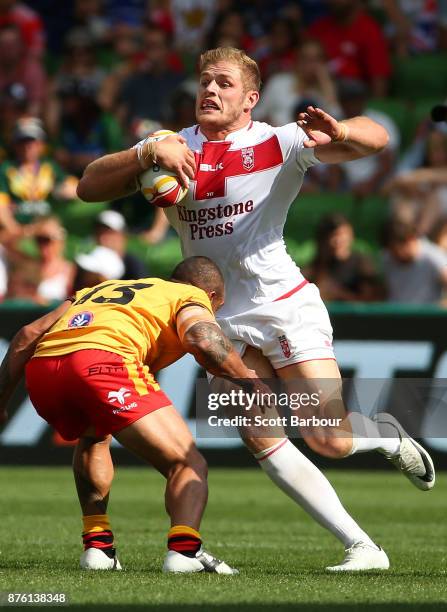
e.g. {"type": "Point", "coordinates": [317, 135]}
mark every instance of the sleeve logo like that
{"type": "Point", "coordinates": [82, 319]}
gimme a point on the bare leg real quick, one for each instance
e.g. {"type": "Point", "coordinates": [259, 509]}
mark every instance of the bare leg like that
{"type": "Point", "coordinates": [163, 440]}
{"type": "Point", "coordinates": [93, 473]}
{"type": "Point", "coordinates": [330, 442]}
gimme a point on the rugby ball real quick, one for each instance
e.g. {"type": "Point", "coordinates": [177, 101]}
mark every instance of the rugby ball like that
{"type": "Point", "coordinates": [159, 186]}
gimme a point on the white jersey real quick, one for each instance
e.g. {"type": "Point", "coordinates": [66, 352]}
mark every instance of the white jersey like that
{"type": "Point", "coordinates": [237, 206]}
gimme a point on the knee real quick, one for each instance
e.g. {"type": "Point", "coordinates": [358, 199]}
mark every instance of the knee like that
{"type": "Point", "coordinates": [198, 463]}
{"type": "Point", "coordinates": [332, 447]}
{"type": "Point", "coordinates": [193, 461]}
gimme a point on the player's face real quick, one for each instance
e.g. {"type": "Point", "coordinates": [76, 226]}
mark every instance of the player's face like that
{"type": "Point", "coordinates": [222, 100]}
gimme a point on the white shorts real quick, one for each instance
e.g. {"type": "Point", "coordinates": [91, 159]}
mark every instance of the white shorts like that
{"type": "Point", "coordinates": [287, 331]}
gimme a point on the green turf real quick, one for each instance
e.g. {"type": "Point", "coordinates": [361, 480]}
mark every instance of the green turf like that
{"type": "Point", "coordinates": [280, 552]}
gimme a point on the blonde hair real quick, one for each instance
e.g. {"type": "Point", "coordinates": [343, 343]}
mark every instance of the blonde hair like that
{"type": "Point", "coordinates": [248, 66]}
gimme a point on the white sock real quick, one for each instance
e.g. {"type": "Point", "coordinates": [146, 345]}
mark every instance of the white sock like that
{"type": "Point", "coordinates": [301, 480]}
{"type": "Point", "coordinates": [367, 437]}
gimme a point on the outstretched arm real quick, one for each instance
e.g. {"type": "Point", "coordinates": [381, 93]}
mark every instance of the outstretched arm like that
{"type": "Point", "coordinates": [339, 141]}
{"type": "Point", "coordinates": [21, 350]}
{"type": "Point", "coordinates": [114, 176]}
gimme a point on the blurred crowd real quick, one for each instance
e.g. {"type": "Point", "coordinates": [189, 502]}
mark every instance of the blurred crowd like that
{"type": "Point", "coordinates": [82, 78]}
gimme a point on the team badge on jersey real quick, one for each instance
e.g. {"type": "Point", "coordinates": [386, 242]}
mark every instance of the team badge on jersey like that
{"type": "Point", "coordinates": [248, 158]}
{"type": "Point", "coordinates": [82, 319]}
{"type": "Point", "coordinates": [285, 346]}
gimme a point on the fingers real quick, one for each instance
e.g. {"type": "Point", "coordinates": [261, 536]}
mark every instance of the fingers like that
{"type": "Point", "coordinates": [316, 112]}
{"type": "Point", "coordinates": [313, 113]}
{"type": "Point", "coordinates": [173, 154]}
{"type": "Point", "coordinates": [309, 144]}
{"type": "Point", "coordinates": [187, 170]}
{"type": "Point", "coordinates": [191, 161]}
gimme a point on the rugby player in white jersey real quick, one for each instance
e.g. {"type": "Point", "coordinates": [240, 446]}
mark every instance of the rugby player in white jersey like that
{"type": "Point", "coordinates": [244, 176]}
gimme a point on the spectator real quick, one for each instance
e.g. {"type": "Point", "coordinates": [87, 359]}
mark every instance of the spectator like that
{"type": "Point", "coordinates": [260, 14]}
{"type": "Point", "coordinates": [23, 283]}
{"type": "Point", "coordinates": [29, 24]}
{"type": "Point", "coordinates": [415, 269]}
{"type": "Point", "coordinates": [146, 94]}
{"type": "Point", "coordinates": [413, 25]}
{"type": "Point", "coordinates": [192, 21]}
{"type": "Point", "coordinates": [18, 67]}
{"type": "Point", "coordinates": [131, 12]}
{"type": "Point", "coordinates": [57, 273]}
{"type": "Point", "coordinates": [110, 232]}
{"type": "Point", "coordinates": [340, 272]}
{"type": "Point", "coordinates": [88, 15]}
{"type": "Point", "coordinates": [79, 66]}
{"type": "Point", "coordinates": [13, 106]}
{"type": "Point", "coordinates": [354, 45]}
{"type": "Point", "coordinates": [281, 56]}
{"type": "Point", "coordinates": [96, 267]}
{"type": "Point", "coordinates": [84, 132]}
{"type": "Point", "coordinates": [312, 10]}
{"type": "Point", "coordinates": [30, 184]}
{"type": "Point", "coordinates": [126, 44]}
{"type": "Point", "coordinates": [229, 30]}
{"type": "Point", "coordinates": [162, 14]}
{"type": "Point", "coordinates": [183, 104]}
{"type": "Point", "coordinates": [365, 176]}
{"type": "Point", "coordinates": [421, 194]}
{"type": "Point", "coordinates": [309, 80]}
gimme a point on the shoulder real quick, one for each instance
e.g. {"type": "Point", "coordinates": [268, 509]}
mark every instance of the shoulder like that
{"type": "Point", "coordinates": [192, 136]}
{"type": "Point", "coordinates": [192, 130]}
{"type": "Point", "coordinates": [183, 295]}
{"type": "Point", "coordinates": [291, 134]}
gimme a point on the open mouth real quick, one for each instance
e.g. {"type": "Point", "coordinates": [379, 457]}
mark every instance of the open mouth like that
{"type": "Point", "coordinates": [208, 105]}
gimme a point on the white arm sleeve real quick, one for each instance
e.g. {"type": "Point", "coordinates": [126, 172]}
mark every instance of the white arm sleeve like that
{"type": "Point", "coordinates": [292, 139]}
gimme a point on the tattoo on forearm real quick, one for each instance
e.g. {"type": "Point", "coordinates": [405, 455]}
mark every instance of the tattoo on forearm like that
{"type": "Point", "coordinates": [218, 347]}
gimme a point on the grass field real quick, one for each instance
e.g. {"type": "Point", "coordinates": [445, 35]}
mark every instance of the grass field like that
{"type": "Point", "coordinates": [280, 552]}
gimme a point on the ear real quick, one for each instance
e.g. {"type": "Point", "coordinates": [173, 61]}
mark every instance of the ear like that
{"type": "Point", "coordinates": [251, 99]}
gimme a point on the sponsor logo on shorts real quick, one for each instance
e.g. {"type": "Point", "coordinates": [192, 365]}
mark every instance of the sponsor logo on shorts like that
{"type": "Point", "coordinates": [120, 397]}
{"type": "Point", "coordinates": [285, 346]}
{"type": "Point", "coordinates": [82, 319]}
{"type": "Point", "coordinates": [104, 369]}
